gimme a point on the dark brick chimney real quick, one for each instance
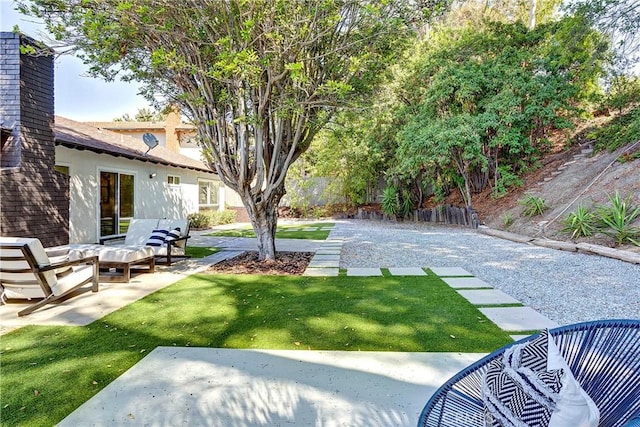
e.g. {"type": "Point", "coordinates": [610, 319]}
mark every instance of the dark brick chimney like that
{"type": "Point", "coordinates": [34, 198]}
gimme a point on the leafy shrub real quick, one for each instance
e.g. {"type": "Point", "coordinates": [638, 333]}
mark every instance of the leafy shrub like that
{"type": "Point", "coordinates": [616, 218]}
{"type": "Point", "coordinates": [508, 219]}
{"type": "Point", "coordinates": [581, 223]}
{"type": "Point", "coordinates": [619, 132]}
{"type": "Point", "coordinates": [406, 203]}
{"type": "Point", "coordinates": [226, 216]}
{"type": "Point", "coordinates": [198, 220]}
{"type": "Point", "coordinates": [206, 219]}
{"type": "Point", "coordinates": [533, 205]}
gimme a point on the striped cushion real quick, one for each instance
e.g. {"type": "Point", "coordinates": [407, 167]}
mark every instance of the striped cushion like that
{"type": "Point", "coordinates": [157, 237]}
{"type": "Point", "coordinates": [173, 234]}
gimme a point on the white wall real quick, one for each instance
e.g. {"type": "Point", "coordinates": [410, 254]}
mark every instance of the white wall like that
{"type": "Point", "coordinates": [154, 197]}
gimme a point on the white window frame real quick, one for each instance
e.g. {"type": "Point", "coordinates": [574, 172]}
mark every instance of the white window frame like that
{"type": "Point", "coordinates": [173, 178]}
{"type": "Point", "coordinates": [216, 185]}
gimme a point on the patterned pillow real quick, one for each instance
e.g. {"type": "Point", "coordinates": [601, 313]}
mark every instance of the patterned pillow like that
{"type": "Point", "coordinates": [518, 390]}
{"type": "Point", "coordinates": [157, 237]}
{"type": "Point", "coordinates": [173, 234]}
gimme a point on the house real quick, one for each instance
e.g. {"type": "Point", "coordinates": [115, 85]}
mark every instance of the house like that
{"type": "Point", "coordinates": [115, 177]}
{"type": "Point", "coordinates": [178, 137]}
{"type": "Point", "coordinates": [68, 182]}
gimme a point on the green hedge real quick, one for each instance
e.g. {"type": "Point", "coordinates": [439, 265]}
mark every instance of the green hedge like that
{"type": "Point", "coordinates": [206, 219]}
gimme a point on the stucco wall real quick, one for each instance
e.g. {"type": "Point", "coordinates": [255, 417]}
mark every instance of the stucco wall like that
{"type": "Point", "coordinates": [154, 197]}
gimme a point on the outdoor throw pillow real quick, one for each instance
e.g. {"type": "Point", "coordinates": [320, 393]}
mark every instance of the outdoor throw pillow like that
{"type": "Point", "coordinates": [157, 237]}
{"type": "Point", "coordinates": [532, 385]}
{"type": "Point", "coordinates": [173, 234]}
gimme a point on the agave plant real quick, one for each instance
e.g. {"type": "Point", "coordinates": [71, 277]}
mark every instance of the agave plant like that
{"type": "Point", "coordinates": [581, 223]}
{"type": "Point", "coordinates": [615, 219]}
{"type": "Point", "coordinates": [390, 204]}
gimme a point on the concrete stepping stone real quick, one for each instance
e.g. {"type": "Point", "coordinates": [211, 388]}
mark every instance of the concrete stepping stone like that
{"type": "Point", "coordinates": [328, 252]}
{"type": "Point", "coordinates": [326, 257]}
{"type": "Point", "coordinates": [466, 282]}
{"type": "Point", "coordinates": [321, 271]}
{"type": "Point", "coordinates": [487, 297]}
{"type": "Point", "coordinates": [407, 271]}
{"type": "Point", "coordinates": [309, 229]}
{"type": "Point", "coordinates": [364, 271]}
{"type": "Point", "coordinates": [324, 263]}
{"type": "Point", "coordinates": [450, 271]}
{"type": "Point", "coordinates": [517, 318]}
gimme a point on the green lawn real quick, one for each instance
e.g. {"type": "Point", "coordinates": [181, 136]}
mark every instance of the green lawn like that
{"type": "Point", "coordinates": [293, 231]}
{"type": "Point", "coordinates": [47, 372]}
{"type": "Point", "coordinates": [200, 251]}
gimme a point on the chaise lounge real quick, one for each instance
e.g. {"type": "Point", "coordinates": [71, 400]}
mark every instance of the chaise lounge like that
{"type": "Point", "coordinates": [167, 237]}
{"type": "Point", "coordinates": [27, 273]}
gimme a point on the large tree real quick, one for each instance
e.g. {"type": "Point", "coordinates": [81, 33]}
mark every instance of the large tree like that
{"type": "Point", "coordinates": [258, 78]}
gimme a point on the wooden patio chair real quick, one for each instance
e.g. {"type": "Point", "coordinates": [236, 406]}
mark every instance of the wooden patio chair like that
{"type": "Point", "coordinates": [603, 356]}
{"type": "Point", "coordinates": [26, 272]}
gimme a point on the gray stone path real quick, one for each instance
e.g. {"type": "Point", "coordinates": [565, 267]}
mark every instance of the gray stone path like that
{"type": "Point", "coordinates": [508, 313]}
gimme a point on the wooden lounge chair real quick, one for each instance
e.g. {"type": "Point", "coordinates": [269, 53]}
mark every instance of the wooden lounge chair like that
{"type": "Point", "coordinates": [26, 272]}
{"type": "Point", "coordinates": [603, 356]}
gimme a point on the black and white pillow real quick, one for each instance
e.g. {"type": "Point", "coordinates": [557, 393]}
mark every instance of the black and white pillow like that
{"type": "Point", "coordinates": [532, 385]}
{"type": "Point", "coordinates": [157, 237]}
{"type": "Point", "coordinates": [173, 234]}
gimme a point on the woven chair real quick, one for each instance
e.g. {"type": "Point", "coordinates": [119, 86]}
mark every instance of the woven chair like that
{"type": "Point", "coordinates": [604, 357]}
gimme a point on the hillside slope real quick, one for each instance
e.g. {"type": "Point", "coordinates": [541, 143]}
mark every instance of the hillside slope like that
{"type": "Point", "coordinates": [567, 180]}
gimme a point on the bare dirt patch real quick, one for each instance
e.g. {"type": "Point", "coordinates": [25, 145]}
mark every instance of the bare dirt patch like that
{"type": "Point", "coordinates": [286, 263]}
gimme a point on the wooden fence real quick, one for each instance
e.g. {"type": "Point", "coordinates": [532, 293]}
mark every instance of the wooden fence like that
{"type": "Point", "coordinates": [445, 214]}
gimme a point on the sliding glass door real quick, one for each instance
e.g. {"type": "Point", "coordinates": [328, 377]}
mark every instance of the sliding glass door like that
{"type": "Point", "coordinates": [116, 202]}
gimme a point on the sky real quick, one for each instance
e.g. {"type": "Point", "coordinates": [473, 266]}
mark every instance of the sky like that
{"type": "Point", "coordinates": [77, 96]}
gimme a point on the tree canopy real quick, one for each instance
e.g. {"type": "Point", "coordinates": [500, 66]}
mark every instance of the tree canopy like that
{"type": "Point", "coordinates": [257, 78]}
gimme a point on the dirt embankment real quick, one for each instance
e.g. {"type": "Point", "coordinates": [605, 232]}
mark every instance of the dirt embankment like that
{"type": "Point", "coordinates": [567, 180]}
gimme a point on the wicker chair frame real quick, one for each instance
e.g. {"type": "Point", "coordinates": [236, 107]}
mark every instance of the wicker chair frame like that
{"type": "Point", "coordinates": [603, 355]}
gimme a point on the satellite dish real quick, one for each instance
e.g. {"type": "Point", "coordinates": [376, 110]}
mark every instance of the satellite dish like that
{"type": "Point", "coordinates": [150, 140]}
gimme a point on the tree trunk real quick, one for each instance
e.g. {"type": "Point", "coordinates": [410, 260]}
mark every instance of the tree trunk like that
{"type": "Point", "coordinates": [263, 212]}
{"type": "Point", "coordinates": [264, 224]}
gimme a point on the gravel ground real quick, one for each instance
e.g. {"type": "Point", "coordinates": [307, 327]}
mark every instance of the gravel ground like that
{"type": "Point", "coordinates": [565, 287]}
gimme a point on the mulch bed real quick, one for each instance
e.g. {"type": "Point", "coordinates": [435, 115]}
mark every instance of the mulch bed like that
{"type": "Point", "coordinates": [286, 263]}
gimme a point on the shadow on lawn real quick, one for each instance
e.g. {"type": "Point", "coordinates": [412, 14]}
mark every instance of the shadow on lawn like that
{"type": "Point", "coordinates": [48, 371]}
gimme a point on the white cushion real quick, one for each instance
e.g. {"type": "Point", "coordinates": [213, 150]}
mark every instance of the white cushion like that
{"type": "Point", "coordinates": [172, 224]}
{"type": "Point", "coordinates": [113, 253]}
{"type": "Point", "coordinates": [28, 286]}
{"type": "Point", "coordinates": [139, 231]}
{"type": "Point", "coordinates": [162, 250]}
{"type": "Point", "coordinates": [79, 275]}
{"type": "Point", "coordinates": [58, 254]}
{"type": "Point", "coordinates": [575, 407]}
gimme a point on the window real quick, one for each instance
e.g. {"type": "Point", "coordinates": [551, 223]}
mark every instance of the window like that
{"type": "Point", "coordinates": [173, 180]}
{"type": "Point", "coordinates": [208, 193]}
{"type": "Point", "coordinates": [62, 169]}
{"type": "Point", "coordinates": [116, 202]}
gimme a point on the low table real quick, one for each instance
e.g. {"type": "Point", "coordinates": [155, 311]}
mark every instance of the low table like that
{"type": "Point", "coordinates": [117, 263]}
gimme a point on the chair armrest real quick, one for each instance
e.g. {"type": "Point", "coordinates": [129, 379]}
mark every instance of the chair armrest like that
{"type": "Point", "coordinates": [109, 238]}
{"type": "Point", "coordinates": [86, 260]}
